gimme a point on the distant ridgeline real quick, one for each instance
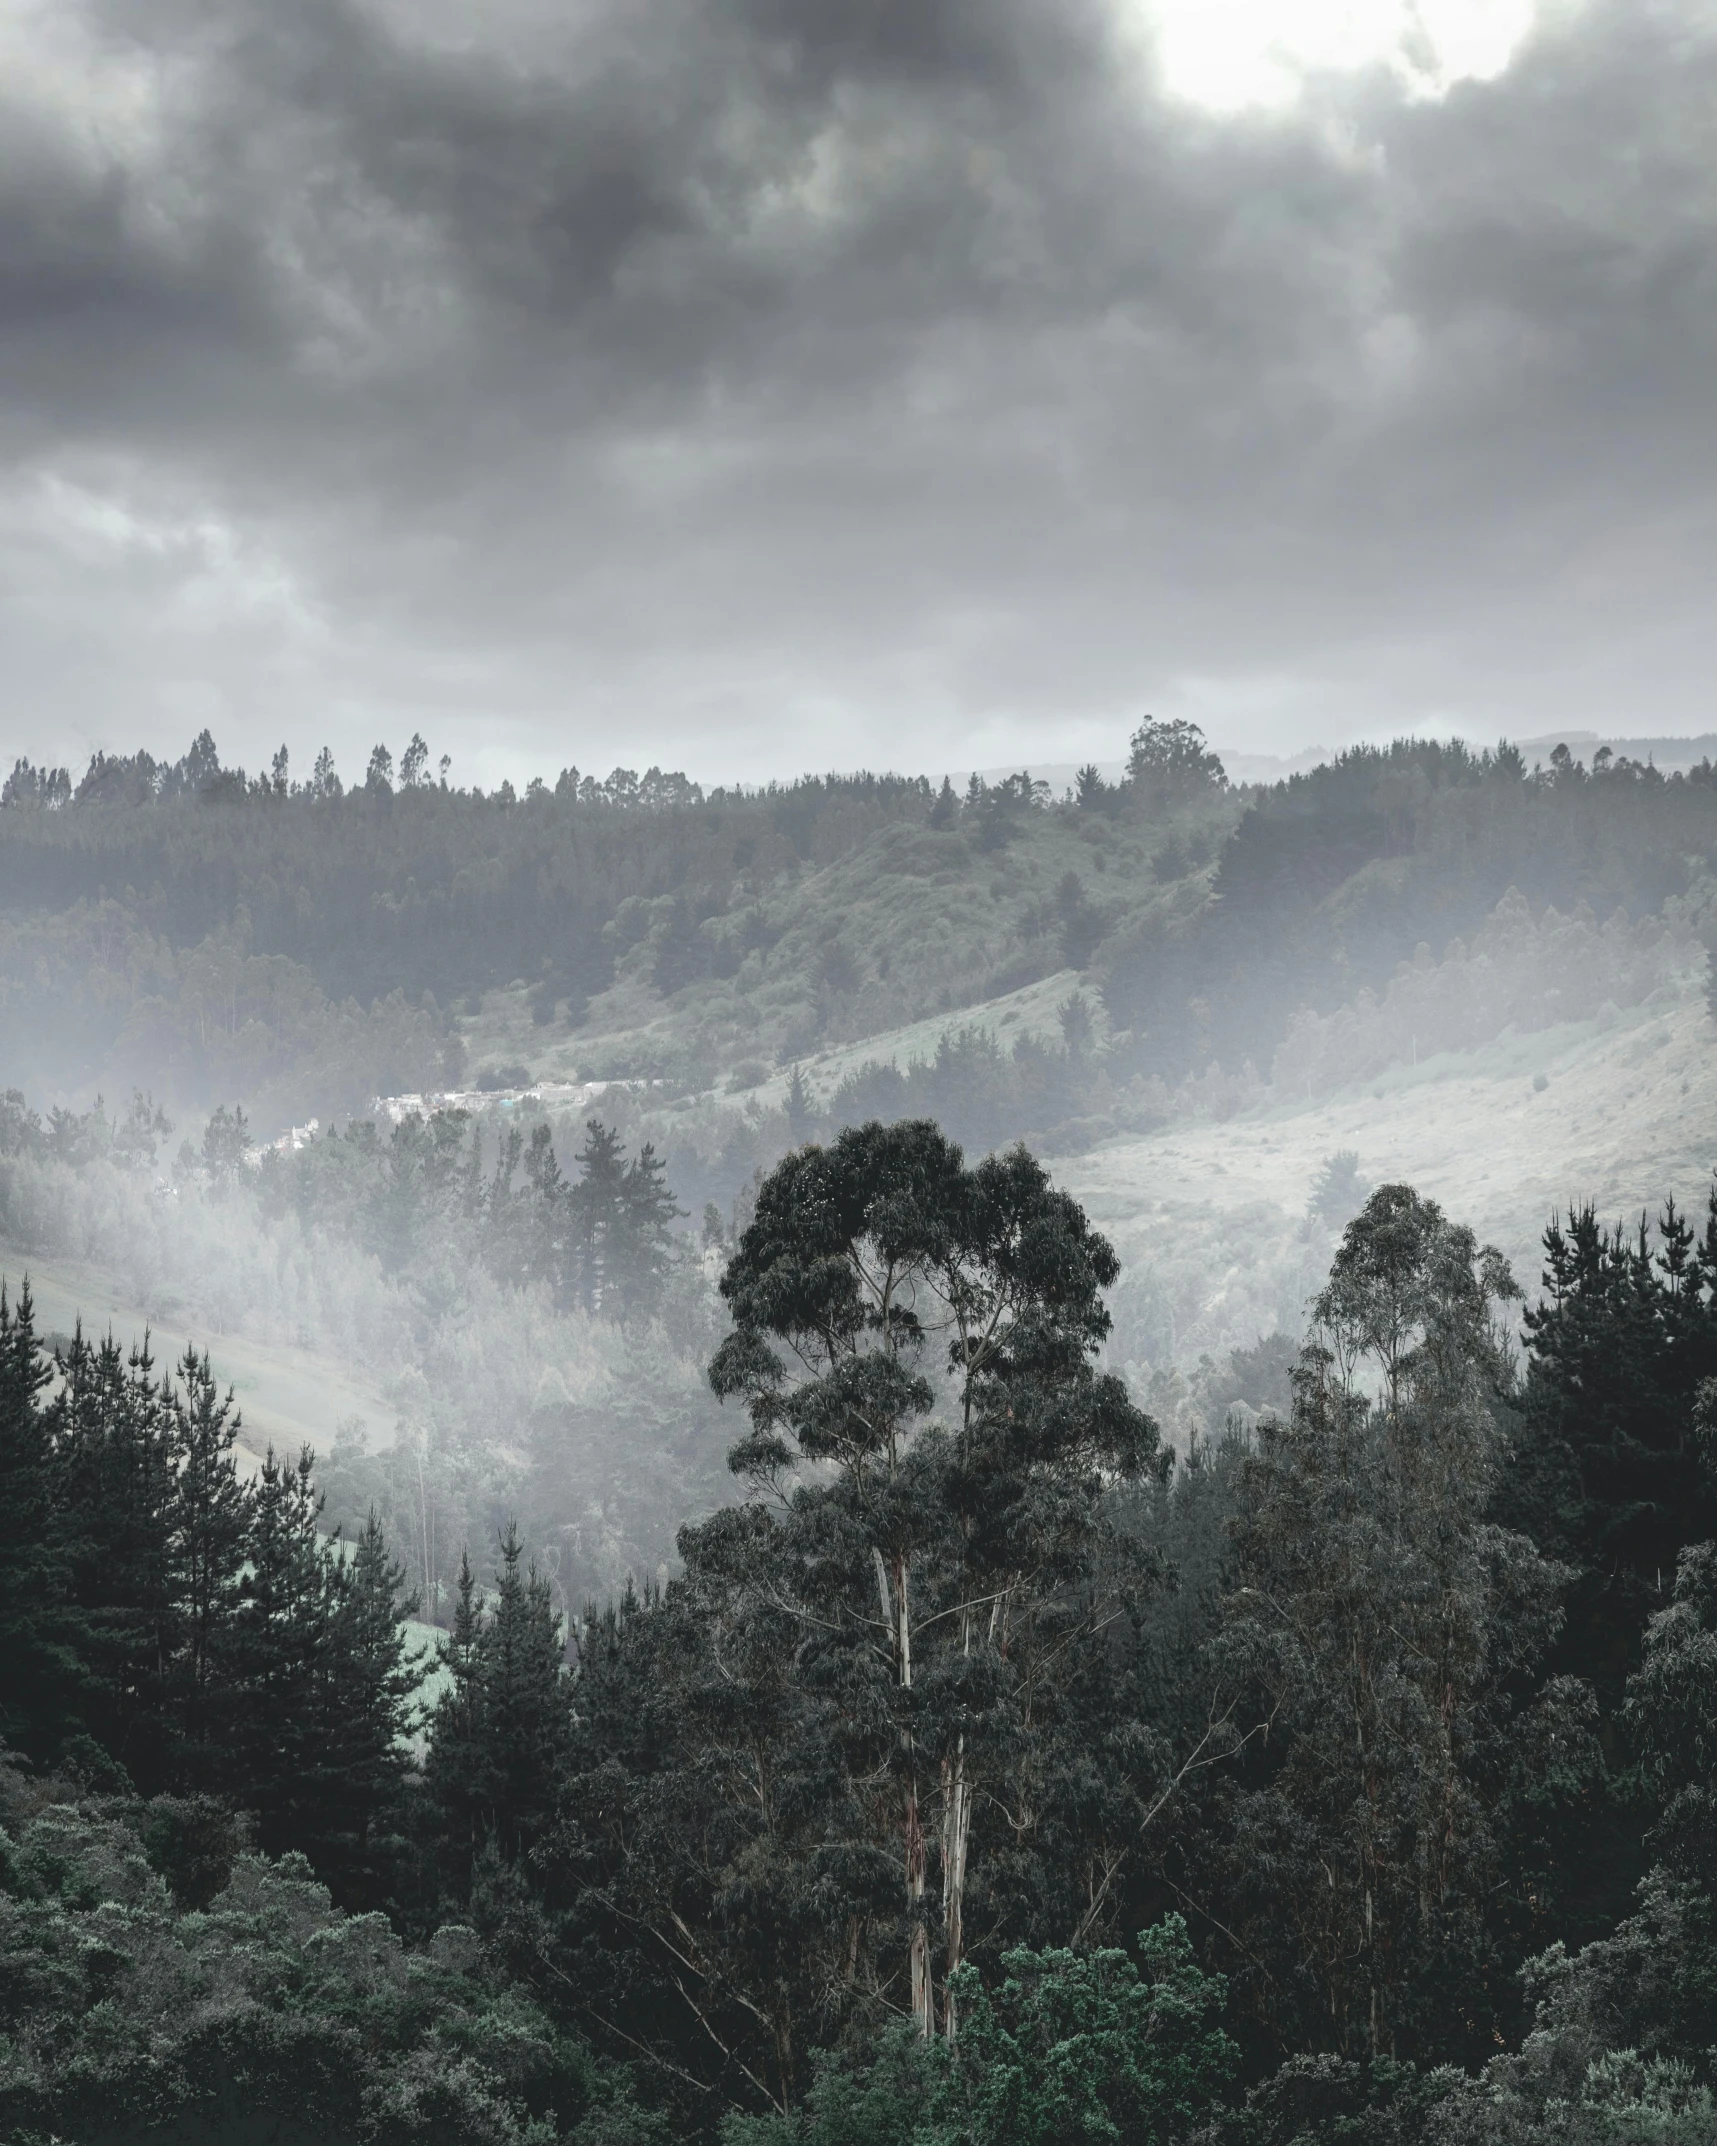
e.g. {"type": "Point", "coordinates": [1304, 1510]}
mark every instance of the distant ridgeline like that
{"type": "Point", "coordinates": [1330, 880]}
{"type": "Point", "coordinates": [309, 946]}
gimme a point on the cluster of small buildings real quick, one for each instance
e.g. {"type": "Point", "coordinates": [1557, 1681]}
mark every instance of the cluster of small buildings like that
{"type": "Point", "coordinates": [551, 1094]}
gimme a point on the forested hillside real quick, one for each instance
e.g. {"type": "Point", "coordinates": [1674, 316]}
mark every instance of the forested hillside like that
{"type": "Point", "coordinates": [1264, 1649]}
{"type": "Point", "coordinates": [300, 948]}
{"type": "Point", "coordinates": [534, 1332]}
{"type": "Point", "coordinates": [984, 1774]}
{"type": "Point", "coordinates": [1154, 979]}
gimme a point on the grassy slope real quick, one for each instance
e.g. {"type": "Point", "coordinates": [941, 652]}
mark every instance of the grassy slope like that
{"type": "Point", "coordinates": [286, 1396]}
{"type": "Point", "coordinates": [1628, 1115]}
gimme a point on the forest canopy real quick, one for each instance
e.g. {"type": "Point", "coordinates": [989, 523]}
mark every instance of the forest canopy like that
{"type": "Point", "coordinates": [985, 1772]}
{"type": "Point", "coordinates": [806, 1650]}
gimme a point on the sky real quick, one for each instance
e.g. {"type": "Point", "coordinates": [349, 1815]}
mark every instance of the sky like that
{"type": "Point", "coordinates": [753, 386]}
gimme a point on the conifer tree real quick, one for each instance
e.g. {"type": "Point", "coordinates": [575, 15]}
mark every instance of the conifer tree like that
{"type": "Point", "coordinates": [521, 1662]}
{"type": "Point", "coordinates": [459, 1771]}
{"type": "Point", "coordinates": [501, 1732]}
{"type": "Point", "coordinates": [799, 1103]}
{"type": "Point", "coordinates": [549, 1199]}
{"type": "Point", "coordinates": [599, 1206]}
{"type": "Point", "coordinates": [647, 1213]}
{"type": "Point", "coordinates": [1611, 1475]}
{"type": "Point", "coordinates": [114, 1432]}
{"type": "Point", "coordinates": [37, 1669]}
{"type": "Point", "coordinates": [211, 1511]}
{"type": "Point", "coordinates": [273, 1660]}
{"type": "Point", "coordinates": [365, 1718]}
{"type": "Point", "coordinates": [315, 1687]}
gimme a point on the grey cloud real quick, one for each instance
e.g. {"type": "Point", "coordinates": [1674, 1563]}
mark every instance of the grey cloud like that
{"type": "Point", "coordinates": [750, 382]}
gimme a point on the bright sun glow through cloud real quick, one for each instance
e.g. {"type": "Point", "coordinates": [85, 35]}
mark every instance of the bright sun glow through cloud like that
{"type": "Point", "coordinates": [1228, 55]}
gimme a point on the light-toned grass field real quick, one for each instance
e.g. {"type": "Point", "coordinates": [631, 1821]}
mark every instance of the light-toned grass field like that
{"type": "Point", "coordinates": [506, 1034]}
{"type": "Point", "coordinates": [1627, 1115]}
{"type": "Point", "coordinates": [286, 1396]}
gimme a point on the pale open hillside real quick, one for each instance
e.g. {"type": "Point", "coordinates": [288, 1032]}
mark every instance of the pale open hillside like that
{"type": "Point", "coordinates": [1033, 1011]}
{"type": "Point", "coordinates": [1211, 1218]}
{"type": "Point", "coordinates": [287, 1396]}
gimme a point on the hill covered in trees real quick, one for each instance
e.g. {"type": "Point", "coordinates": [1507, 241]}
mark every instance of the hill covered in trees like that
{"type": "Point", "coordinates": [1192, 994]}
{"type": "Point", "coordinates": [300, 947]}
{"type": "Point", "coordinates": [985, 1773]}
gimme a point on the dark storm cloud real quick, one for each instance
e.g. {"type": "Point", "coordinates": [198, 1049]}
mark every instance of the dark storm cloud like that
{"type": "Point", "coordinates": [757, 382]}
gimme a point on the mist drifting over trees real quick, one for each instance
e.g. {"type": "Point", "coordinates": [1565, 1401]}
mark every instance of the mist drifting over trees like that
{"type": "Point", "coordinates": [962, 1400]}
{"type": "Point", "coordinates": [748, 1609]}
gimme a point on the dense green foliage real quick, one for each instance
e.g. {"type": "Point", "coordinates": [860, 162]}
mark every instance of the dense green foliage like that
{"type": "Point", "coordinates": [1068, 2050]}
{"type": "Point", "coordinates": [255, 2010]}
{"type": "Point", "coordinates": [196, 1630]}
{"type": "Point", "coordinates": [980, 1776]}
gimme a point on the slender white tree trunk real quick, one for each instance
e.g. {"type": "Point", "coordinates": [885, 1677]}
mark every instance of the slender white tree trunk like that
{"type": "Point", "coordinates": [956, 1833]}
{"type": "Point", "coordinates": [897, 1613]}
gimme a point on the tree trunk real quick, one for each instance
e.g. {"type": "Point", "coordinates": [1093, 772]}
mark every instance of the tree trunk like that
{"type": "Point", "coordinates": [956, 1833]}
{"type": "Point", "coordinates": [897, 1608]}
{"type": "Point", "coordinates": [918, 1935]}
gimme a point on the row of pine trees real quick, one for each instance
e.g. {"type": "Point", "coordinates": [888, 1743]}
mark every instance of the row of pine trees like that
{"type": "Point", "coordinates": [170, 1628]}
{"type": "Point", "coordinates": [597, 1234]}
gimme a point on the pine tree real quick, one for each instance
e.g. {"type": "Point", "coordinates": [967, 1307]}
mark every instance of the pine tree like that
{"type": "Point", "coordinates": [317, 1688]}
{"type": "Point", "coordinates": [647, 1214]}
{"type": "Point", "coordinates": [525, 1702]}
{"type": "Point", "coordinates": [459, 1771]}
{"type": "Point", "coordinates": [549, 1200]}
{"type": "Point", "coordinates": [365, 1717]}
{"type": "Point", "coordinates": [799, 1102]}
{"type": "Point", "coordinates": [211, 1509]}
{"type": "Point", "coordinates": [599, 1208]}
{"type": "Point", "coordinates": [38, 1669]}
{"type": "Point", "coordinates": [501, 1732]}
{"type": "Point", "coordinates": [1091, 792]}
{"type": "Point", "coordinates": [114, 1433]}
{"type": "Point", "coordinates": [506, 1242]}
{"type": "Point", "coordinates": [1610, 1474]}
{"type": "Point", "coordinates": [272, 1660]}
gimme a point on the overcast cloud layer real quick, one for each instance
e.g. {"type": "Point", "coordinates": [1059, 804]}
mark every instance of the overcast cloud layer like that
{"type": "Point", "coordinates": [751, 385]}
